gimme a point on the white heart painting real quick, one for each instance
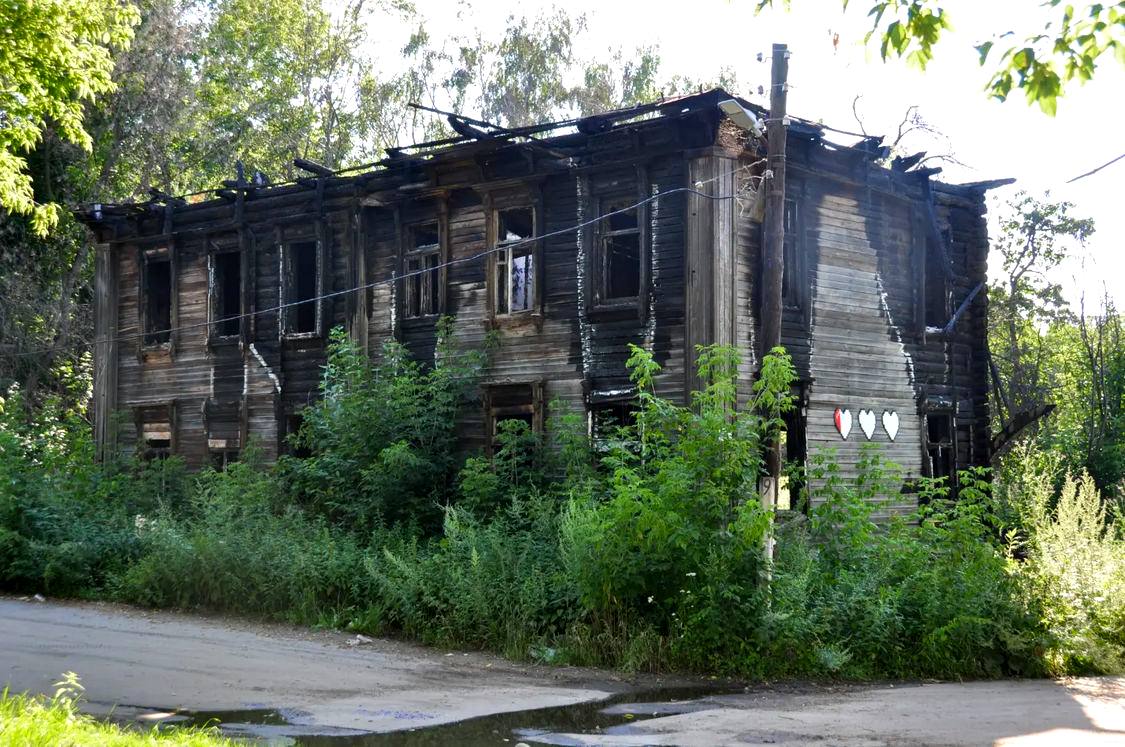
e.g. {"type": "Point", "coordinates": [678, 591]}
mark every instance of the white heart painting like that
{"type": "Point", "coordinates": [890, 423]}
{"type": "Point", "coordinates": [843, 420]}
{"type": "Point", "coordinates": [867, 423]}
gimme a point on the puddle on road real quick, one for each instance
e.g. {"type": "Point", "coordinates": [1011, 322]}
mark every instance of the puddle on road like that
{"type": "Point", "coordinates": [612, 716]}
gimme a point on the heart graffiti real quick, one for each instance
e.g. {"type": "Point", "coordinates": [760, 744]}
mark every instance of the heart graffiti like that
{"type": "Point", "coordinates": [867, 423]}
{"type": "Point", "coordinates": [843, 420]}
{"type": "Point", "coordinates": [890, 423]}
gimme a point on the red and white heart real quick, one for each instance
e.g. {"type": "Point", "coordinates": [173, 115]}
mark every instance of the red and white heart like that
{"type": "Point", "coordinates": [890, 423]}
{"type": "Point", "coordinates": [867, 423]}
{"type": "Point", "coordinates": [843, 420]}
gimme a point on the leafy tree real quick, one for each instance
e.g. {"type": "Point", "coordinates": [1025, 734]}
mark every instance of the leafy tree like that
{"type": "Point", "coordinates": [1068, 48]}
{"type": "Point", "coordinates": [1034, 239]}
{"type": "Point", "coordinates": [56, 55]}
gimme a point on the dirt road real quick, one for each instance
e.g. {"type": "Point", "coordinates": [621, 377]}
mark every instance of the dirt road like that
{"type": "Point", "coordinates": [149, 663]}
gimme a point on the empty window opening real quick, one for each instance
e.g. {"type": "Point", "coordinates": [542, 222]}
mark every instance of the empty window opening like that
{"type": "Point", "coordinates": [293, 424]}
{"type": "Point", "coordinates": [612, 423]}
{"type": "Point", "coordinates": [936, 290]}
{"type": "Point", "coordinates": [518, 402]}
{"type": "Point", "coordinates": [422, 277]}
{"type": "Point", "coordinates": [515, 261]}
{"type": "Point", "coordinates": [301, 280]}
{"type": "Point", "coordinates": [939, 446]}
{"type": "Point", "coordinates": [620, 242]}
{"type": "Point", "coordinates": [794, 450]}
{"type": "Point", "coordinates": [158, 301]}
{"type": "Point", "coordinates": [223, 458]}
{"type": "Point", "coordinates": [228, 293]}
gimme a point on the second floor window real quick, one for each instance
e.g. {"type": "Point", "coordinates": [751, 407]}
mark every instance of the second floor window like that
{"type": "Point", "coordinates": [299, 287]}
{"type": "Point", "coordinates": [421, 274]}
{"type": "Point", "coordinates": [157, 292]}
{"type": "Point", "coordinates": [226, 293]}
{"type": "Point", "coordinates": [515, 260]}
{"type": "Point", "coordinates": [619, 251]}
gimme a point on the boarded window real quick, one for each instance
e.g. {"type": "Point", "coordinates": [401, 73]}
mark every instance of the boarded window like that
{"type": "Point", "coordinates": [421, 274]}
{"type": "Point", "coordinates": [223, 421]}
{"type": "Point", "coordinates": [619, 251]}
{"type": "Point", "coordinates": [300, 281]}
{"type": "Point", "coordinates": [157, 293]}
{"type": "Point", "coordinates": [939, 445]}
{"type": "Point", "coordinates": [515, 260]}
{"type": "Point", "coordinates": [227, 293]}
{"type": "Point", "coordinates": [155, 430]}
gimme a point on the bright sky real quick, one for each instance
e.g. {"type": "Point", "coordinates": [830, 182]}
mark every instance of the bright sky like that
{"type": "Point", "coordinates": [993, 139]}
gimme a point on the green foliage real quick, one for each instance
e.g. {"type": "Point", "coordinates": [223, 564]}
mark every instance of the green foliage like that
{"type": "Point", "coordinates": [235, 550]}
{"type": "Point", "coordinates": [31, 719]}
{"type": "Point", "coordinates": [383, 435]}
{"type": "Point", "coordinates": [1074, 567]}
{"type": "Point", "coordinates": [1067, 47]}
{"type": "Point", "coordinates": [674, 536]}
{"type": "Point", "coordinates": [641, 552]}
{"type": "Point", "coordinates": [56, 57]}
{"type": "Point", "coordinates": [497, 583]}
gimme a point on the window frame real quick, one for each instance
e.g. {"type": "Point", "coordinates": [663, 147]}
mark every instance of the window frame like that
{"type": "Point", "coordinates": [794, 289]}
{"type": "Point", "coordinates": [145, 257]}
{"type": "Point", "coordinates": [287, 314]}
{"type": "Point", "coordinates": [141, 446]}
{"type": "Point", "coordinates": [214, 293]}
{"type": "Point", "coordinates": [408, 252]}
{"type": "Point", "coordinates": [234, 412]}
{"type": "Point", "coordinates": [495, 205]}
{"type": "Point", "coordinates": [595, 205]}
{"type": "Point", "coordinates": [949, 446]}
{"type": "Point", "coordinates": [494, 413]}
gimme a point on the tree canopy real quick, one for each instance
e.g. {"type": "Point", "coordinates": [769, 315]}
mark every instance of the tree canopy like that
{"type": "Point", "coordinates": [56, 56]}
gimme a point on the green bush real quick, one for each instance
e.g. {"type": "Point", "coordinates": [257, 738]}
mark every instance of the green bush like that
{"type": "Point", "coordinates": [382, 438]}
{"type": "Point", "coordinates": [671, 540]}
{"type": "Point", "coordinates": [1074, 570]}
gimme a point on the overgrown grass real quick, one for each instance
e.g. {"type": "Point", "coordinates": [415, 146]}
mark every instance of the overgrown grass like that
{"type": "Point", "coordinates": [39, 720]}
{"type": "Point", "coordinates": [645, 553]}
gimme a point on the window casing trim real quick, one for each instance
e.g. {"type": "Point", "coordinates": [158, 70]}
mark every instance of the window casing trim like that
{"type": "Point", "coordinates": [165, 252]}
{"type": "Point", "coordinates": [407, 253]}
{"type": "Point", "coordinates": [496, 203]}
{"type": "Point", "coordinates": [593, 241]}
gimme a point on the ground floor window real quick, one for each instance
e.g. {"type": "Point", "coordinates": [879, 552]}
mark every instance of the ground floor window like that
{"type": "Point", "coordinates": [512, 402]}
{"type": "Point", "coordinates": [940, 457]}
{"type": "Point", "coordinates": [156, 431]}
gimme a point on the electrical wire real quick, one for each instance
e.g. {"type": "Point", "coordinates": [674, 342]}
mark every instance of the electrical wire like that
{"type": "Point", "coordinates": [694, 189]}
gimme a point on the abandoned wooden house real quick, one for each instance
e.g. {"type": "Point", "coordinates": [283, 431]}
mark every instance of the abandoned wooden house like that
{"type": "Point", "coordinates": [568, 241]}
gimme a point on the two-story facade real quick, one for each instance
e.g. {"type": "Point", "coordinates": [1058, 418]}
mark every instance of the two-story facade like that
{"type": "Point", "coordinates": [566, 243]}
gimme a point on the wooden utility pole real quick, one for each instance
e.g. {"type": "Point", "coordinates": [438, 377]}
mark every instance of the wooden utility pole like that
{"type": "Point", "coordinates": [773, 234]}
{"type": "Point", "coordinates": [773, 252]}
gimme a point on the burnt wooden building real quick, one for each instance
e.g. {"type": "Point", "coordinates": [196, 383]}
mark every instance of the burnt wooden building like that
{"type": "Point", "coordinates": [565, 241]}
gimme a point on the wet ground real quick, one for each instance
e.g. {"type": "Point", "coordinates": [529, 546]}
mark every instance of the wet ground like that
{"type": "Point", "coordinates": [285, 685]}
{"type": "Point", "coordinates": [609, 718]}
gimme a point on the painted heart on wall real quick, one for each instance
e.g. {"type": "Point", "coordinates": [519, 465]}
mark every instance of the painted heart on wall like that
{"type": "Point", "coordinates": [890, 423]}
{"type": "Point", "coordinates": [867, 423]}
{"type": "Point", "coordinates": [843, 420]}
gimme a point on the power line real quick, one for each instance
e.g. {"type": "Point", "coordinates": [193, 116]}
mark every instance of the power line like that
{"type": "Point", "coordinates": [694, 189]}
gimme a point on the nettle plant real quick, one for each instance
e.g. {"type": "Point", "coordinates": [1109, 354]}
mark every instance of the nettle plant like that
{"type": "Point", "coordinates": [674, 536]}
